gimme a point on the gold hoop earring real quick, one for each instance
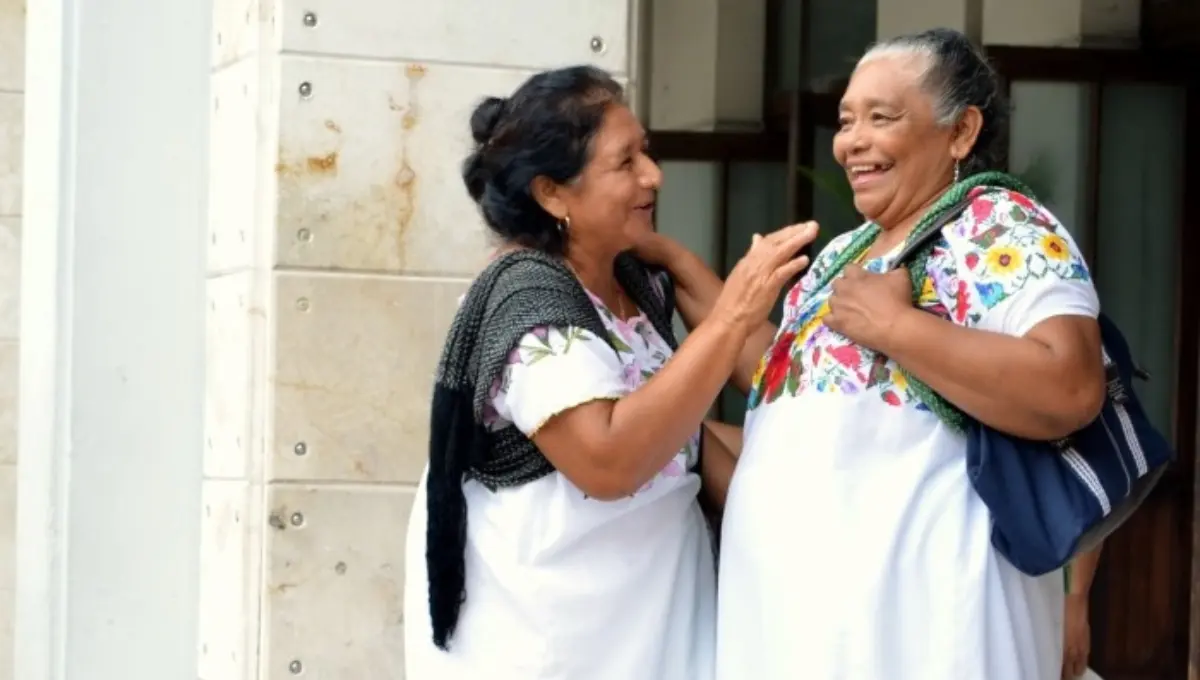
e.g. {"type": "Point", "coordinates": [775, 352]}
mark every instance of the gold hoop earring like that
{"type": "Point", "coordinates": [564, 225]}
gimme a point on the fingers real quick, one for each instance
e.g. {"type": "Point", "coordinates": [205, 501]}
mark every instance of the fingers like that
{"type": "Point", "coordinates": [1074, 662]}
{"type": "Point", "coordinates": [792, 239]}
{"type": "Point", "coordinates": [779, 246]}
{"type": "Point", "coordinates": [790, 269]}
{"type": "Point", "coordinates": [1075, 666]}
{"type": "Point", "coordinates": [853, 271]}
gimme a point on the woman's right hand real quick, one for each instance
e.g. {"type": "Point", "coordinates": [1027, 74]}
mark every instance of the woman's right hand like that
{"type": "Point", "coordinates": [753, 286]}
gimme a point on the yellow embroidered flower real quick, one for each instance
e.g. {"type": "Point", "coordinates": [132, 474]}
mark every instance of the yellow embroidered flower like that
{"type": "Point", "coordinates": [817, 319]}
{"type": "Point", "coordinates": [1003, 259]}
{"type": "Point", "coordinates": [758, 374]}
{"type": "Point", "coordinates": [928, 296]}
{"type": "Point", "coordinates": [899, 381]}
{"type": "Point", "coordinates": [1055, 247]}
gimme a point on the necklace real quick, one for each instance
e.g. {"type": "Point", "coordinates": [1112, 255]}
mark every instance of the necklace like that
{"type": "Point", "coordinates": [620, 296]}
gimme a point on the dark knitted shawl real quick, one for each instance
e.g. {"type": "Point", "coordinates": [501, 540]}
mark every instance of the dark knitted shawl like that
{"type": "Point", "coordinates": [516, 293]}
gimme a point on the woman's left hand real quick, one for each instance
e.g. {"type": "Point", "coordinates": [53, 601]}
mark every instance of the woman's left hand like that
{"type": "Point", "coordinates": [865, 306]}
{"type": "Point", "coordinates": [1077, 637]}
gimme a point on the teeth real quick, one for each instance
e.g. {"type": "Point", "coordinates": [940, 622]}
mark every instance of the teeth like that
{"type": "Point", "coordinates": [859, 169]}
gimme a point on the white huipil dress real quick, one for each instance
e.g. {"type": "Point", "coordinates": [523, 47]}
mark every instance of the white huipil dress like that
{"type": "Point", "coordinates": [853, 546]}
{"type": "Point", "coordinates": [561, 586]}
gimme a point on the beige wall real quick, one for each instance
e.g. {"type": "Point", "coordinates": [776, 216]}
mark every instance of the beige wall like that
{"type": "Point", "coordinates": [12, 80]}
{"type": "Point", "coordinates": [340, 237]}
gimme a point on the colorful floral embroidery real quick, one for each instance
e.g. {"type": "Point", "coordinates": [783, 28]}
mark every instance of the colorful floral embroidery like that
{"type": "Point", "coordinates": [1000, 244]}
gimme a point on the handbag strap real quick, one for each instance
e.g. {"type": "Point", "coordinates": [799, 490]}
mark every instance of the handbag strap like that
{"type": "Point", "coordinates": [915, 255]}
{"type": "Point", "coordinates": [948, 207]}
{"type": "Point", "coordinates": [929, 235]}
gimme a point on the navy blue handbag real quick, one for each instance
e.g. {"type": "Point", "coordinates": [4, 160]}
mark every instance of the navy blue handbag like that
{"type": "Point", "coordinates": [1052, 500]}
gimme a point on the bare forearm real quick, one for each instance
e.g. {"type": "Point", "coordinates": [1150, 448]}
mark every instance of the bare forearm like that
{"type": "Point", "coordinates": [1017, 385]}
{"type": "Point", "coordinates": [1083, 572]}
{"type": "Point", "coordinates": [610, 449]}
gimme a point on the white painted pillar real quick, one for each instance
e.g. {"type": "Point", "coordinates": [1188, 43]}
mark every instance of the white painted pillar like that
{"type": "Point", "coordinates": [112, 362]}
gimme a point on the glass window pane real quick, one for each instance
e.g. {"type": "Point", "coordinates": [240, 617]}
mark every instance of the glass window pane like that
{"type": "Point", "coordinates": [833, 200]}
{"type": "Point", "coordinates": [1141, 163]}
{"type": "Point", "coordinates": [841, 31]}
{"type": "Point", "coordinates": [757, 204]}
{"type": "Point", "coordinates": [688, 204]}
{"type": "Point", "coordinates": [688, 208]}
{"type": "Point", "coordinates": [1048, 148]}
{"type": "Point", "coordinates": [787, 45]}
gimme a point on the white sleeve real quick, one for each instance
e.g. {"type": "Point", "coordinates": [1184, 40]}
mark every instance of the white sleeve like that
{"type": "Point", "coordinates": [553, 370]}
{"type": "Point", "coordinates": [1010, 266]}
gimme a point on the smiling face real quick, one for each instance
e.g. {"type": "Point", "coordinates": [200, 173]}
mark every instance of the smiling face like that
{"type": "Point", "coordinates": [612, 200]}
{"type": "Point", "coordinates": [897, 156]}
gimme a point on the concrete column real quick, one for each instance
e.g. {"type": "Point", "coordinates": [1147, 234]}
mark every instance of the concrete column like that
{"type": "Point", "coordinates": [1026, 23]}
{"type": "Point", "coordinates": [900, 17]}
{"type": "Point", "coordinates": [340, 237]}
{"type": "Point", "coordinates": [111, 358]}
{"type": "Point", "coordinates": [704, 71]}
{"type": "Point", "coordinates": [1063, 23]}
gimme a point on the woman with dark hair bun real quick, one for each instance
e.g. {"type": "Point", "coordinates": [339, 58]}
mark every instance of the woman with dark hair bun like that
{"type": "Point", "coordinates": [853, 543]}
{"type": "Point", "coordinates": [557, 533]}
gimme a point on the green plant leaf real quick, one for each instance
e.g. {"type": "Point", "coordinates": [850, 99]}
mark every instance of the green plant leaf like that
{"type": "Point", "coordinates": [832, 183]}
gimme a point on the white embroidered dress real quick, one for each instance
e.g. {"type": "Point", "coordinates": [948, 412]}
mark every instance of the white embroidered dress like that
{"type": "Point", "coordinates": [853, 546]}
{"type": "Point", "coordinates": [560, 586]}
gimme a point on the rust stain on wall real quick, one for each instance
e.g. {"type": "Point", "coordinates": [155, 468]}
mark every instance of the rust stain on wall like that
{"type": "Point", "coordinates": [326, 164]}
{"type": "Point", "coordinates": [404, 183]}
{"type": "Point", "coordinates": [361, 225]}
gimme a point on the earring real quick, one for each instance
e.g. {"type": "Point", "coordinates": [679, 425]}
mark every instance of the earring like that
{"type": "Point", "coordinates": [564, 225]}
{"type": "Point", "coordinates": [956, 172]}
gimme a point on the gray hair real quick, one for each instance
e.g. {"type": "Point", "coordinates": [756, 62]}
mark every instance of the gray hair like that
{"type": "Point", "coordinates": [957, 76]}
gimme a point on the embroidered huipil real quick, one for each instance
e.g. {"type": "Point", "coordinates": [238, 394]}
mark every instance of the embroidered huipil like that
{"type": "Point", "coordinates": [853, 547]}
{"type": "Point", "coordinates": [561, 586]}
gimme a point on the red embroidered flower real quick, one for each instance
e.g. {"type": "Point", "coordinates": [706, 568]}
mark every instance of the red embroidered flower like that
{"type": "Point", "coordinates": [793, 296]}
{"type": "Point", "coordinates": [847, 355]}
{"type": "Point", "coordinates": [1021, 200]}
{"type": "Point", "coordinates": [777, 365]}
{"type": "Point", "coordinates": [981, 209]}
{"type": "Point", "coordinates": [962, 303]}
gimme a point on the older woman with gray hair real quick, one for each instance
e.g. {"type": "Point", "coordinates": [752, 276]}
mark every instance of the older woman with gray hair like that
{"type": "Point", "coordinates": [853, 544]}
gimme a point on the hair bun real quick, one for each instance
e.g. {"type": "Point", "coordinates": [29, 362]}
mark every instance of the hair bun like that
{"type": "Point", "coordinates": [485, 118]}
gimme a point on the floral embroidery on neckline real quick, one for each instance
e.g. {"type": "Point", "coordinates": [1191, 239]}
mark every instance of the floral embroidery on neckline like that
{"type": "Point", "coordinates": [1001, 244]}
